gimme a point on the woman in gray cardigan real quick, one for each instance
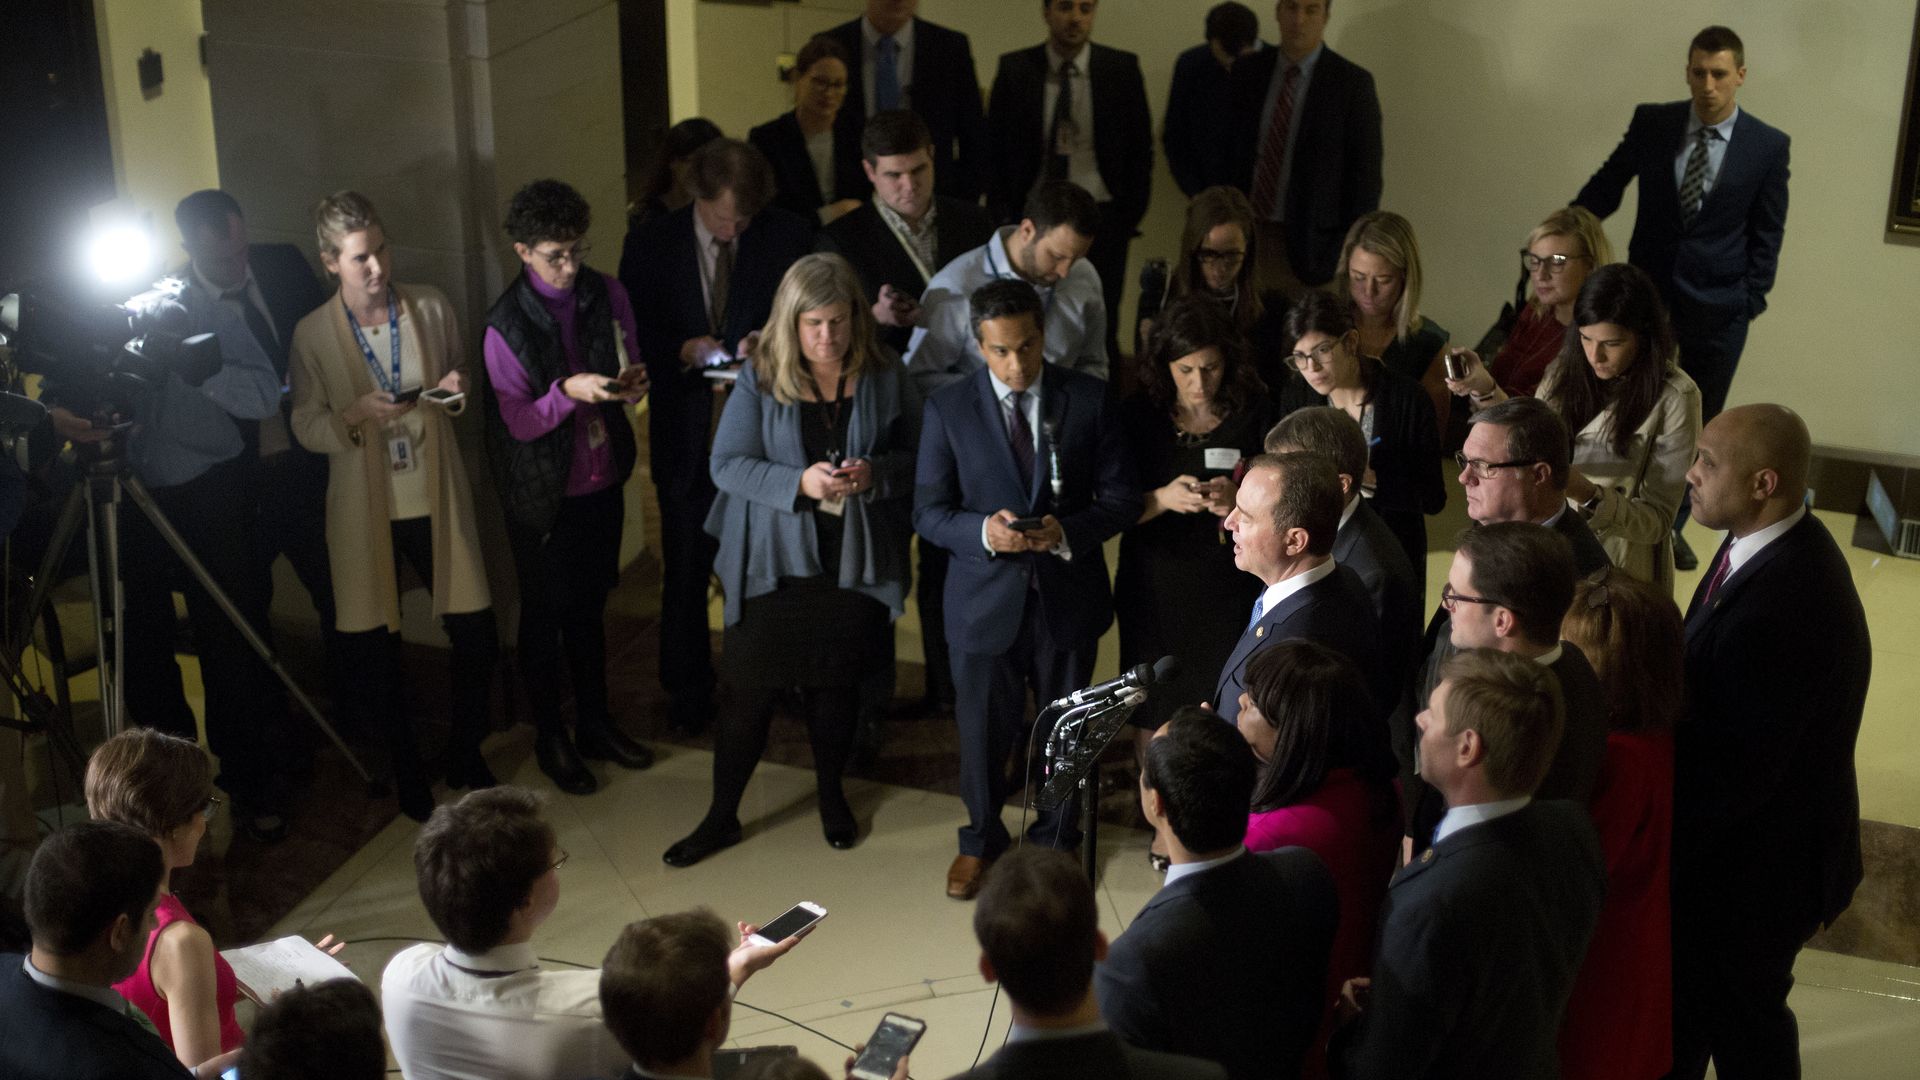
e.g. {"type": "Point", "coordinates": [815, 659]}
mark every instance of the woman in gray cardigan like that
{"type": "Point", "coordinates": [814, 460]}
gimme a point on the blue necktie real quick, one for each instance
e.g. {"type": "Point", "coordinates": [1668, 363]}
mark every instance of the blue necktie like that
{"type": "Point", "coordinates": [1259, 609]}
{"type": "Point", "coordinates": [886, 74]}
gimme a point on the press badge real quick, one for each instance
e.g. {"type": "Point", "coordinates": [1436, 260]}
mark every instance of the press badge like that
{"type": "Point", "coordinates": [401, 457]}
{"type": "Point", "coordinates": [1222, 458]}
{"type": "Point", "coordinates": [836, 507]}
{"type": "Point", "coordinates": [596, 433]}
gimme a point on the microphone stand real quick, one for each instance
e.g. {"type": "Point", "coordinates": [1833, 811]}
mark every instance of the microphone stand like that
{"type": "Point", "coordinates": [1081, 734]}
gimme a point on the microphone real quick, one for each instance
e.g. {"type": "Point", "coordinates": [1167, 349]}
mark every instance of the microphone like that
{"type": "Point", "coordinates": [1139, 677]}
{"type": "Point", "coordinates": [1052, 430]}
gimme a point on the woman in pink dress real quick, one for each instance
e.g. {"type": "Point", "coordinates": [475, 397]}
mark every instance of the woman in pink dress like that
{"type": "Point", "coordinates": [1619, 1022]}
{"type": "Point", "coordinates": [1326, 784]}
{"type": "Point", "coordinates": [163, 785]}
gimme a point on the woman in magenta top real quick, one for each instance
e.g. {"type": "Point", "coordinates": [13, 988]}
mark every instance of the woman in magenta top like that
{"type": "Point", "coordinates": [1619, 1021]}
{"type": "Point", "coordinates": [163, 785]}
{"type": "Point", "coordinates": [1326, 784]}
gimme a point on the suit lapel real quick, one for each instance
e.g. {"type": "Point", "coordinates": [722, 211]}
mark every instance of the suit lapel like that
{"type": "Point", "coordinates": [1701, 612]}
{"type": "Point", "coordinates": [1260, 634]}
{"type": "Point", "coordinates": [993, 422]}
{"type": "Point", "coordinates": [1733, 163]}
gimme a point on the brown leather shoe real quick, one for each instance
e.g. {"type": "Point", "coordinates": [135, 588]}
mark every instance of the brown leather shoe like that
{"type": "Point", "coordinates": [963, 877]}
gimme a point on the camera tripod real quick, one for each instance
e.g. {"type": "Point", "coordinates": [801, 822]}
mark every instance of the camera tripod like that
{"type": "Point", "coordinates": [106, 475]}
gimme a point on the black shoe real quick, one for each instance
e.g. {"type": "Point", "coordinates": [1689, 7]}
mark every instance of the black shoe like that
{"type": "Point", "coordinates": [562, 764]}
{"type": "Point", "coordinates": [604, 742]}
{"type": "Point", "coordinates": [837, 821]}
{"type": "Point", "coordinates": [701, 843]}
{"type": "Point", "coordinates": [1683, 556]}
{"type": "Point", "coordinates": [470, 771]}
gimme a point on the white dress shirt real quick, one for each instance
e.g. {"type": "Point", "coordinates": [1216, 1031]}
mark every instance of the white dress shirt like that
{"type": "Point", "coordinates": [1716, 150]}
{"type": "Point", "coordinates": [1744, 548]}
{"type": "Point", "coordinates": [1082, 167]}
{"type": "Point", "coordinates": [902, 62]}
{"type": "Point", "coordinates": [1278, 592]}
{"type": "Point", "coordinates": [495, 1015]}
{"type": "Point", "coordinates": [104, 996]}
{"type": "Point", "coordinates": [1187, 869]}
{"type": "Point", "coordinates": [1306, 64]}
{"type": "Point", "coordinates": [1466, 817]}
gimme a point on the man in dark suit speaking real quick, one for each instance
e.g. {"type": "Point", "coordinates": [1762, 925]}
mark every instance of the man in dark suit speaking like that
{"type": "Point", "coordinates": [1305, 147]}
{"type": "Point", "coordinates": [1766, 843]}
{"type": "Point", "coordinates": [1713, 212]}
{"type": "Point", "coordinates": [1284, 520]}
{"type": "Point", "coordinates": [1022, 477]}
{"type": "Point", "coordinates": [1481, 937]}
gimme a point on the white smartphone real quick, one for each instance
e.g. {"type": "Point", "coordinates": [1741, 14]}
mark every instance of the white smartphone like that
{"type": "Point", "coordinates": [443, 397]}
{"type": "Point", "coordinates": [795, 920]}
{"type": "Point", "coordinates": [894, 1039]}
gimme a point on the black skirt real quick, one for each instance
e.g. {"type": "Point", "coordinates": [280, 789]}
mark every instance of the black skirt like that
{"type": "Point", "coordinates": [809, 632]}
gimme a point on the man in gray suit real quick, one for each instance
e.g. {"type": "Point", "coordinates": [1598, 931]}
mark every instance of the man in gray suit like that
{"type": "Point", "coordinates": [1039, 932]}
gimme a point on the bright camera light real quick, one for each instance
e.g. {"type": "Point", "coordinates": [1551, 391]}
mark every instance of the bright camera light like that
{"type": "Point", "coordinates": [119, 254]}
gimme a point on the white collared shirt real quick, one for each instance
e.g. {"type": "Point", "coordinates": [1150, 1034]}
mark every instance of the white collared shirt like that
{"type": "Point", "coordinates": [1082, 167]}
{"type": "Point", "coordinates": [1306, 65]}
{"type": "Point", "coordinates": [1744, 548]}
{"type": "Point", "coordinates": [495, 1015]}
{"type": "Point", "coordinates": [1019, 1032]}
{"type": "Point", "coordinates": [1552, 656]}
{"type": "Point", "coordinates": [1465, 817]}
{"type": "Point", "coordinates": [921, 242]}
{"type": "Point", "coordinates": [902, 62]}
{"type": "Point", "coordinates": [104, 996]}
{"type": "Point", "coordinates": [1278, 592]}
{"type": "Point", "coordinates": [1347, 514]}
{"type": "Point", "coordinates": [1716, 149]}
{"type": "Point", "coordinates": [1188, 869]}
{"type": "Point", "coordinates": [1557, 515]}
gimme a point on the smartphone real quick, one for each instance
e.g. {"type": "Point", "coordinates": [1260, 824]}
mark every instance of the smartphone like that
{"type": "Point", "coordinates": [1456, 366]}
{"type": "Point", "coordinates": [405, 396]}
{"type": "Point", "coordinates": [727, 1063]}
{"type": "Point", "coordinates": [1027, 524]}
{"type": "Point", "coordinates": [894, 1039]}
{"type": "Point", "coordinates": [718, 358]}
{"type": "Point", "coordinates": [443, 397]}
{"type": "Point", "coordinates": [794, 920]}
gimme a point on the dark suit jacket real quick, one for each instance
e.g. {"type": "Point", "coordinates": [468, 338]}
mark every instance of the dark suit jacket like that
{"type": "Point", "coordinates": [1336, 155]}
{"type": "Point", "coordinates": [1588, 555]}
{"type": "Point", "coordinates": [1480, 940]}
{"type": "Point", "coordinates": [1122, 132]}
{"type": "Point", "coordinates": [1229, 964]}
{"type": "Point", "coordinates": [1367, 547]}
{"type": "Point", "coordinates": [880, 259]}
{"type": "Point", "coordinates": [1334, 611]}
{"type": "Point", "coordinates": [1100, 1056]}
{"type": "Point", "coordinates": [967, 472]}
{"type": "Point", "coordinates": [796, 188]}
{"type": "Point", "coordinates": [1725, 261]}
{"type": "Point", "coordinates": [56, 1036]}
{"type": "Point", "coordinates": [1198, 121]}
{"type": "Point", "coordinates": [946, 94]}
{"type": "Point", "coordinates": [1405, 456]}
{"type": "Point", "coordinates": [1764, 787]}
{"type": "Point", "coordinates": [660, 267]}
{"type": "Point", "coordinates": [290, 289]}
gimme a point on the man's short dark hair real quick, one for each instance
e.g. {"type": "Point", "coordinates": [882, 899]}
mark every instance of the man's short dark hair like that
{"type": "Point", "coordinates": [1036, 920]}
{"type": "Point", "coordinates": [1062, 202]}
{"type": "Point", "coordinates": [204, 210]}
{"type": "Point", "coordinates": [547, 210]}
{"type": "Point", "coordinates": [84, 877]}
{"type": "Point", "coordinates": [891, 132]}
{"type": "Point", "coordinates": [1310, 496]}
{"type": "Point", "coordinates": [1528, 569]}
{"type": "Point", "coordinates": [1323, 430]}
{"type": "Point", "coordinates": [1535, 432]}
{"type": "Point", "coordinates": [1234, 26]}
{"type": "Point", "coordinates": [1004, 298]}
{"type": "Point", "coordinates": [1719, 39]}
{"type": "Point", "coordinates": [725, 165]}
{"type": "Point", "coordinates": [329, 1031]}
{"type": "Point", "coordinates": [1204, 772]}
{"type": "Point", "coordinates": [476, 861]}
{"type": "Point", "coordinates": [661, 982]}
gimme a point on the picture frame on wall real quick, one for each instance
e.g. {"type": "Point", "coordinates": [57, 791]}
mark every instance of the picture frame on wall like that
{"type": "Point", "coordinates": [1903, 208]}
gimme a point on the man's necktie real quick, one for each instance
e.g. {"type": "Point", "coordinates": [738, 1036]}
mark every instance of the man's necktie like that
{"type": "Point", "coordinates": [1057, 156]}
{"type": "Point", "coordinates": [1721, 566]}
{"type": "Point", "coordinates": [1020, 435]}
{"type": "Point", "coordinates": [1259, 609]}
{"type": "Point", "coordinates": [722, 280]}
{"type": "Point", "coordinates": [886, 74]}
{"type": "Point", "coordinates": [1693, 184]}
{"type": "Point", "coordinates": [1273, 148]}
{"type": "Point", "coordinates": [256, 323]}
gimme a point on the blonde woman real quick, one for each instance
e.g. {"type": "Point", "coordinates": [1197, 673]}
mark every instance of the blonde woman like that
{"type": "Point", "coordinates": [396, 485]}
{"type": "Point", "coordinates": [813, 459]}
{"type": "Point", "coordinates": [1558, 256]}
{"type": "Point", "coordinates": [1380, 271]}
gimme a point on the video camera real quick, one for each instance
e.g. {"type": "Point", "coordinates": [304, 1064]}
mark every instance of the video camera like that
{"type": "Point", "coordinates": [99, 352]}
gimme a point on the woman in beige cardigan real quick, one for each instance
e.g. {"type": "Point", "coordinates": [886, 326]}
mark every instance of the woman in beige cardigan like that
{"type": "Point", "coordinates": [396, 486]}
{"type": "Point", "coordinates": [1634, 415]}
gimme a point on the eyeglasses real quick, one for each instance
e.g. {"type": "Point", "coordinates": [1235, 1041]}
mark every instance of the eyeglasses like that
{"type": "Point", "coordinates": [213, 804]}
{"type": "Point", "coordinates": [1554, 264]}
{"type": "Point", "coordinates": [1452, 600]}
{"type": "Point", "coordinates": [1206, 256]}
{"type": "Point", "coordinates": [561, 861]}
{"type": "Point", "coordinates": [1316, 357]}
{"type": "Point", "coordinates": [574, 254]}
{"type": "Point", "coordinates": [1483, 470]}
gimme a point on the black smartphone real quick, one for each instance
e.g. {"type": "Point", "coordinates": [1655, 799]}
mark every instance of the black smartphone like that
{"type": "Point", "coordinates": [406, 395]}
{"type": "Point", "coordinates": [894, 1039]}
{"type": "Point", "coordinates": [1027, 524]}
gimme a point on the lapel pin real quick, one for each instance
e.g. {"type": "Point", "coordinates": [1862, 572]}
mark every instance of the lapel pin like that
{"type": "Point", "coordinates": [1259, 631]}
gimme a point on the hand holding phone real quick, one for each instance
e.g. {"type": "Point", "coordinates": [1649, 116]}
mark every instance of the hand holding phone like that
{"type": "Point", "coordinates": [893, 1040]}
{"type": "Point", "coordinates": [406, 395]}
{"type": "Point", "coordinates": [792, 922]}
{"type": "Point", "coordinates": [442, 397]}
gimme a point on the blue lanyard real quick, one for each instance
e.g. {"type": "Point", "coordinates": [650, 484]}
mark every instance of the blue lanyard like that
{"type": "Point", "coordinates": [366, 350]}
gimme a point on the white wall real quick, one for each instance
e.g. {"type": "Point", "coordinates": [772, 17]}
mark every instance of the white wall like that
{"type": "Point", "coordinates": [1496, 111]}
{"type": "Point", "coordinates": [162, 146]}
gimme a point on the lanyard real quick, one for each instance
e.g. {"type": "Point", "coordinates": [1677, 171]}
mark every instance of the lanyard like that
{"type": "Point", "coordinates": [366, 350]}
{"type": "Point", "coordinates": [839, 402]}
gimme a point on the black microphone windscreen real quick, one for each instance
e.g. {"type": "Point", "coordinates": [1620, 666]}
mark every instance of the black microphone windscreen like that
{"type": "Point", "coordinates": [1165, 668]}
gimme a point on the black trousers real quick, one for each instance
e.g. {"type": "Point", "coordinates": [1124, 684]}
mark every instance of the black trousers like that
{"type": "Point", "coordinates": [373, 656]}
{"type": "Point", "coordinates": [740, 738]}
{"type": "Point", "coordinates": [679, 428]}
{"type": "Point", "coordinates": [991, 709]}
{"type": "Point", "coordinates": [931, 601]}
{"type": "Point", "coordinates": [1732, 970]}
{"type": "Point", "coordinates": [289, 494]}
{"type": "Point", "coordinates": [1710, 347]}
{"type": "Point", "coordinates": [565, 577]}
{"type": "Point", "coordinates": [246, 708]}
{"type": "Point", "coordinates": [1109, 256]}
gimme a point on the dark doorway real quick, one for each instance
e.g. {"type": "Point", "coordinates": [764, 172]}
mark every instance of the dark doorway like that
{"type": "Point", "coordinates": [643, 86]}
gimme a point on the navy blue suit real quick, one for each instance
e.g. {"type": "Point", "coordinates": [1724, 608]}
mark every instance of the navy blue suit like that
{"type": "Point", "coordinates": [1029, 619]}
{"type": "Point", "coordinates": [660, 267]}
{"type": "Point", "coordinates": [1367, 546]}
{"type": "Point", "coordinates": [945, 93]}
{"type": "Point", "coordinates": [56, 1036]}
{"type": "Point", "coordinates": [1334, 611]}
{"type": "Point", "coordinates": [1715, 272]}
